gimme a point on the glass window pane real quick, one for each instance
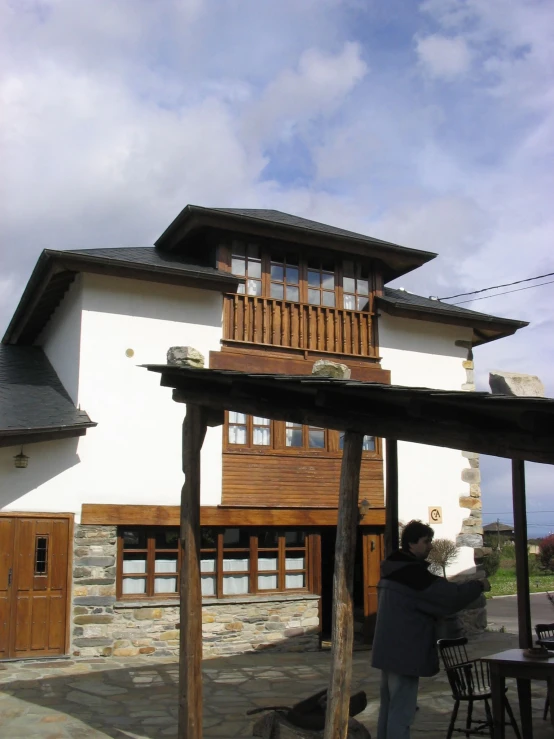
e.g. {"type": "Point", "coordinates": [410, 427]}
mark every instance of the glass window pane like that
{"type": "Point", "coordinates": [267, 582]}
{"type": "Point", "coordinates": [295, 581]}
{"type": "Point", "coordinates": [349, 284]}
{"type": "Point", "coordinates": [134, 563]}
{"type": "Point", "coordinates": [207, 564]}
{"type": "Point", "coordinates": [316, 438]}
{"type": "Point", "coordinates": [314, 278]}
{"type": "Point", "coordinates": [328, 298]}
{"type": "Point", "coordinates": [237, 434]}
{"type": "Point", "coordinates": [165, 563]}
{"type": "Point", "coordinates": [269, 563]}
{"type": "Point", "coordinates": [294, 563]}
{"type": "Point", "coordinates": [233, 585]}
{"type": "Point", "coordinates": [292, 294]}
{"type": "Point", "coordinates": [134, 539]}
{"type": "Point", "coordinates": [165, 584]}
{"type": "Point", "coordinates": [236, 538]}
{"type": "Point", "coordinates": [208, 585]}
{"type": "Point", "coordinates": [268, 539]}
{"type": "Point", "coordinates": [277, 271]}
{"type": "Point", "coordinates": [295, 538]}
{"type": "Point", "coordinates": [133, 585]}
{"type": "Point", "coordinates": [276, 291]}
{"type": "Point", "coordinates": [41, 555]}
{"type": "Point", "coordinates": [363, 303]}
{"type": "Point", "coordinates": [350, 302]}
{"type": "Point", "coordinates": [253, 287]}
{"type": "Point", "coordinates": [314, 297]}
{"type": "Point", "coordinates": [363, 287]}
{"type": "Point", "coordinates": [261, 436]}
{"type": "Point", "coordinates": [238, 267]}
{"type": "Point", "coordinates": [254, 268]}
{"type": "Point", "coordinates": [258, 421]}
{"type": "Point", "coordinates": [292, 275]}
{"type": "Point", "coordinates": [238, 563]}
{"type": "Point", "coordinates": [369, 444]}
{"type": "Point", "coordinates": [328, 280]}
{"type": "Point", "coordinates": [237, 417]}
{"type": "Point", "coordinates": [167, 538]}
{"type": "Point", "coordinates": [241, 289]}
{"type": "Point", "coordinates": [238, 249]}
{"type": "Point", "coordinates": [253, 251]}
{"type": "Point", "coordinates": [293, 437]}
{"type": "Point", "coordinates": [208, 537]}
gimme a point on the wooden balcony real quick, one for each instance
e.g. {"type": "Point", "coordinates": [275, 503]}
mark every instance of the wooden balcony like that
{"type": "Point", "coordinates": [282, 323]}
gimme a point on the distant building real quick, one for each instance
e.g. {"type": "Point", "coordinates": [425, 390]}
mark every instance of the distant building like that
{"type": "Point", "coordinates": [505, 531]}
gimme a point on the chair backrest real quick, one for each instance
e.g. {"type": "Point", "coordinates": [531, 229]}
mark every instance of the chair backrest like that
{"type": "Point", "coordinates": [461, 680]}
{"type": "Point", "coordinates": [544, 631]}
{"type": "Point", "coordinates": [453, 651]}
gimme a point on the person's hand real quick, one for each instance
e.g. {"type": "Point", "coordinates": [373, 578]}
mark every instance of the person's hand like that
{"type": "Point", "coordinates": [486, 585]}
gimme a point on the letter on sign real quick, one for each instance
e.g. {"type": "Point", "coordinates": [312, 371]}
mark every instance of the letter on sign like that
{"type": "Point", "coordinates": [435, 514]}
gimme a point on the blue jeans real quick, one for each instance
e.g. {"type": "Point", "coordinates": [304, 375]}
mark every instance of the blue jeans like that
{"type": "Point", "coordinates": [398, 705]}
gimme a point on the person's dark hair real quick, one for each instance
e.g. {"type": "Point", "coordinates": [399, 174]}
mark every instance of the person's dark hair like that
{"type": "Point", "coordinates": [413, 532]}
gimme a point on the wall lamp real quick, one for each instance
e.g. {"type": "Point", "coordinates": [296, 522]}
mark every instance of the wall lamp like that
{"type": "Point", "coordinates": [21, 460]}
{"type": "Point", "coordinates": [363, 508]}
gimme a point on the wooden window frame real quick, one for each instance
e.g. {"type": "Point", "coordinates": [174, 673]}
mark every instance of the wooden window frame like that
{"type": "Point", "coordinates": [219, 553]}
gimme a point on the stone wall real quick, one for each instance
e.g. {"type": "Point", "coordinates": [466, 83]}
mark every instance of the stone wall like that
{"type": "Point", "coordinates": [102, 626]}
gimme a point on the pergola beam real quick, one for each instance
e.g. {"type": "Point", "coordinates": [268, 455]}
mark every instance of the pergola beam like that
{"type": "Point", "coordinates": [391, 496]}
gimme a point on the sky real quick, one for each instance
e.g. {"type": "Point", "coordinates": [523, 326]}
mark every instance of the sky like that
{"type": "Point", "coordinates": [429, 124]}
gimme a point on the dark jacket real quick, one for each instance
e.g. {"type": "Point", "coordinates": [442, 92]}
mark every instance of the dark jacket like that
{"type": "Point", "coordinates": [411, 603]}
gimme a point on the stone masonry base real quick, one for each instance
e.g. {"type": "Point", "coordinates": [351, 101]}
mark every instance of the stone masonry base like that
{"type": "Point", "coordinates": [102, 626]}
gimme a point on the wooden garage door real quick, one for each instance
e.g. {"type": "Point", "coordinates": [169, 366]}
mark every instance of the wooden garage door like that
{"type": "Point", "coordinates": [33, 586]}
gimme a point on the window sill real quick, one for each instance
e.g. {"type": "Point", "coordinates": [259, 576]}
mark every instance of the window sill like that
{"type": "Point", "coordinates": [174, 603]}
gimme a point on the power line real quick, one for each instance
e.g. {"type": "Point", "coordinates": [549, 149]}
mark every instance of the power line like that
{"type": "Point", "coordinates": [506, 292]}
{"type": "Point", "coordinates": [496, 287]}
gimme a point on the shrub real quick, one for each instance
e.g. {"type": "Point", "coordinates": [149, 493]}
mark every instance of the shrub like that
{"type": "Point", "coordinates": [443, 553]}
{"type": "Point", "coordinates": [546, 553]}
{"type": "Point", "coordinates": [491, 563]}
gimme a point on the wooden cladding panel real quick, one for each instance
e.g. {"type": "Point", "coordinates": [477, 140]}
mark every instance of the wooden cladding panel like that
{"type": "Point", "coordinates": [282, 323]}
{"type": "Point", "coordinates": [294, 481]}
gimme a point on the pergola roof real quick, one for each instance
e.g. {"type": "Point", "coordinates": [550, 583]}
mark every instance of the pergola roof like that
{"type": "Point", "coordinates": [504, 426]}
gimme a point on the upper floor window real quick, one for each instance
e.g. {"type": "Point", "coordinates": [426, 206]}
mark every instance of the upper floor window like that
{"type": "Point", "coordinates": [321, 283]}
{"type": "Point", "coordinates": [246, 262]}
{"type": "Point", "coordinates": [355, 286]}
{"type": "Point", "coordinates": [285, 279]}
{"type": "Point", "coordinates": [249, 430]}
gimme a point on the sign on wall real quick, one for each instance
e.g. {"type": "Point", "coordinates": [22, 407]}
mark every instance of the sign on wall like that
{"type": "Point", "coordinates": [435, 514]}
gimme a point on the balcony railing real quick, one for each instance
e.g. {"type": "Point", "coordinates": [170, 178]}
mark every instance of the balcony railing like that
{"type": "Point", "coordinates": [256, 320]}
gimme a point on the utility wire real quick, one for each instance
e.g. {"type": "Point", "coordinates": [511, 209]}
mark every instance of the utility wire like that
{"type": "Point", "coordinates": [496, 287]}
{"type": "Point", "coordinates": [506, 292]}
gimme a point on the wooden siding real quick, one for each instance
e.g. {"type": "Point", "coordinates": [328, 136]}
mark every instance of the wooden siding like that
{"type": "Point", "coordinates": [282, 323]}
{"type": "Point", "coordinates": [294, 481]}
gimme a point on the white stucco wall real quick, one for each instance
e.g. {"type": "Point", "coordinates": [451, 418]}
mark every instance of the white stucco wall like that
{"type": "Point", "coordinates": [423, 354]}
{"type": "Point", "coordinates": [133, 456]}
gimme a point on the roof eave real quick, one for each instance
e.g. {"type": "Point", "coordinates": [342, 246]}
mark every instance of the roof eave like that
{"type": "Point", "coordinates": [194, 217]}
{"type": "Point", "coordinates": [18, 437]}
{"type": "Point", "coordinates": [484, 329]}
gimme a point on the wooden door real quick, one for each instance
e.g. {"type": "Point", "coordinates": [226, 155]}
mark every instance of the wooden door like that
{"type": "Point", "coordinates": [373, 554]}
{"type": "Point", "coordinates": [33, 586]}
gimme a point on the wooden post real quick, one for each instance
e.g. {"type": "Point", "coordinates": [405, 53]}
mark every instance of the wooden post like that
{"type": "Point", "coordinates": [391, 497]}
{"type": "Point", "coordinates": [190, 641]}
{"type": "Point", "coordinates": [336, 717]}
{"type": "Point", "coordinates": [522, 560]}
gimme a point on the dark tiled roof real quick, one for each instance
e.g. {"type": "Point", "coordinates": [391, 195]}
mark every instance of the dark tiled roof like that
{"type": "Point", "coordinates": [497, 527]}
{"type": "Point", "coordinates": [409, 300]}
{"type": "Point", "coordinates": [31, 395]}
{"type": "Point", "coordinates": [149, 256]}
{"type": "Point", "coordinates": [286, 219]}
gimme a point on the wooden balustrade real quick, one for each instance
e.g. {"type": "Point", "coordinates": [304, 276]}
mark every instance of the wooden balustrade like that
{"type": "Point", "coordinates": [320, 328]}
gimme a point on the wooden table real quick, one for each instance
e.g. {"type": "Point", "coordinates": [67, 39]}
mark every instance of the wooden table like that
{"type": "Point", "coordinates": [512, 663]}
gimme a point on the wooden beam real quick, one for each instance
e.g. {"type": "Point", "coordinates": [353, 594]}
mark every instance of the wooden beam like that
{"type": "Point", "coordinates": [338, 698]}
{"type": "Point", "coordinates": [522, 561]}
{"type": "Point", "coordinates": [100, 514]}
{"type": "Point", "coordinates": [391, 497]}
{"type": "Point", "coordinates": [190, 644]}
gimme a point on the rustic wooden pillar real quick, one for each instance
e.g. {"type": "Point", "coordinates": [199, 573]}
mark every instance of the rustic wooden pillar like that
{"type": "Point", "coordinates": [336, 718]}
{"type": "Point", "coordinates": [190, 642]}
{"type": "Point", "coordinates": [522, 561]}
{"type": "Point", "coordinates": [391, 497]}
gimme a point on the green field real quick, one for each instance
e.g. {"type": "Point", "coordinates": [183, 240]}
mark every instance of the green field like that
{"type": "Point", "coordinates": [504, 582]}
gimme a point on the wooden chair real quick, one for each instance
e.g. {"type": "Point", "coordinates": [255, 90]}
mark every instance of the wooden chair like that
{"type": "Point", "coordinates": [545, 632]}
{"type": "Point", "coordinates": [470, 682]}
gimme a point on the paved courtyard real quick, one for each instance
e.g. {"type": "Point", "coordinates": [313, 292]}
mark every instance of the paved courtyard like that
{"type": "Point", "coordinates": [136, 697]}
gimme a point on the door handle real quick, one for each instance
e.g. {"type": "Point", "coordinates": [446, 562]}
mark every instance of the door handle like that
{"type": "Point", "coordinates": [9, 577]}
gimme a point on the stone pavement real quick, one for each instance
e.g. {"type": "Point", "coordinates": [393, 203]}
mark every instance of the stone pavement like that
{"type": "Point", "coordinates": [137, 697]}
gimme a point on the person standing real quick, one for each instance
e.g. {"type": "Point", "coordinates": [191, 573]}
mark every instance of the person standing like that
{"type": "Point", "coordinates": [411, 602]}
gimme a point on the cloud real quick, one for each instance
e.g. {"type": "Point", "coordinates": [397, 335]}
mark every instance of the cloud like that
{"type": "Point", "coordinates": [443, 57]}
